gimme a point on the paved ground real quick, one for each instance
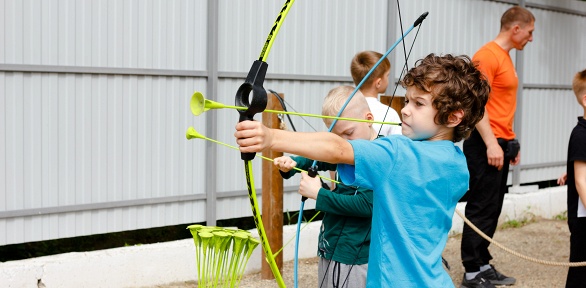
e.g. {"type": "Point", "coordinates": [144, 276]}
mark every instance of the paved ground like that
{"type": "Point", "coordinates": [543, 239]}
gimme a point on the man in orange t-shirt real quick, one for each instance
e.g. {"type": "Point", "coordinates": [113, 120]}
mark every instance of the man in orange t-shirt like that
{"type": "Point", "coordinates": [491, 147]}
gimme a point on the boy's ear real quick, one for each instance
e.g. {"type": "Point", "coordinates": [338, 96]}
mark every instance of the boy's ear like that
{"type": "Point", "coordinates": [455, 118]}
{"type": "Point", "coordinates": [377, 82]}
{"type": "Point", "coordinates": [370, 117]}
{"type": "Point", "coordinates": [583, 100]}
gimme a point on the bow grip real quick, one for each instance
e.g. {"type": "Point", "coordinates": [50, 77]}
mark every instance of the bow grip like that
{"type": "Point", "coordinates": [255, 103]}
{"type": "Point", "coordinates": [312, 172]}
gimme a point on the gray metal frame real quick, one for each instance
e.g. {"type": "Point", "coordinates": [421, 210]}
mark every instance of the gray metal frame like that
{"type": "Point", "coordinates": [218, 80]}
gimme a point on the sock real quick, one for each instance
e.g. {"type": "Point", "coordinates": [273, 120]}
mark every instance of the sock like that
{"type": "Point", "coordinates": [471, 275]}
{"type": "Point", "coordinates": [485, 267]}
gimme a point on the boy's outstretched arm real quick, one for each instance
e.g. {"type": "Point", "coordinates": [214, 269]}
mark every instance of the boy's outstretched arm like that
{"type": "Point", "coordinates": [252, 136]}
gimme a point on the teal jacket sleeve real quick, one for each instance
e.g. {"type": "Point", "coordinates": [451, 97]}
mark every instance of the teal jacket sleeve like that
{"type": "Point", "coordinates": [304, 163]}
{"type": "Point", "coordinates": [355, 205]}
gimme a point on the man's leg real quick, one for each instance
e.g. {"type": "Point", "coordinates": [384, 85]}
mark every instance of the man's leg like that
{"type": "Point", "coordinates": [482, 204]}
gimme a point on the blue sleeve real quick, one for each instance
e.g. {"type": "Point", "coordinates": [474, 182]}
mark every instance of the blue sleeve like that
{"type": "Point", "coordinates": [373, 161]}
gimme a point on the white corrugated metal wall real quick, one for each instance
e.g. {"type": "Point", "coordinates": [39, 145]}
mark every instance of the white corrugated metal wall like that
{"type": "Point", "coordinates": [95, 97]}
{"type": "Point", "coordinates": [99, 147]}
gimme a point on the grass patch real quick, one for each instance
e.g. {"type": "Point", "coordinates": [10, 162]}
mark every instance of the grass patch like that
{"type": "Point", "coordinates": [562, 216]}
{"type": "Point", "coordinates": [527, 218]}
{"type": "Point", "coordinates": [518, 223]}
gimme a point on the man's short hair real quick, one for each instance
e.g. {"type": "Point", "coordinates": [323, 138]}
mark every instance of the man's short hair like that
{"type": "Point", "coordinates": [455, 84]}
{"type": "Point", "coordinates": [514, 15]}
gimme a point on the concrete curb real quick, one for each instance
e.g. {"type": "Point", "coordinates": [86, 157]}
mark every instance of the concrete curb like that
{"type": "Point", "coordinates": [156, 264]}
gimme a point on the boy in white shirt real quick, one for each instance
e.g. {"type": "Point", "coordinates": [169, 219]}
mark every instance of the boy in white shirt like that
{"type": "Point", "coordinates": [377, 83]}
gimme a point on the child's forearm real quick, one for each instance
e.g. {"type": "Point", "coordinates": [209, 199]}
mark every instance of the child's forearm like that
{"type": "Point", "coordinates": [580, 179]}
{"type": "Point", "coordinates": [359, 205]}
{"type": "Point", "coordinates": [252, 136]}
{"type": "Point", "coordinates": [320, 146]}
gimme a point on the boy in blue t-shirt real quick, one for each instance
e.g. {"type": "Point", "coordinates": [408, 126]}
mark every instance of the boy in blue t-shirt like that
{"type": "Point", "coordinates": [417, 178]}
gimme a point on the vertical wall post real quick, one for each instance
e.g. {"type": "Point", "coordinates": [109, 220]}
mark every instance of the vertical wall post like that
{"type": "Point", "coordinates": [392, 16]}
{"type": "Point", "coordinates": [518, 123]}
{"type": "Point", "coordinates": [272, 193]}
{"type": "Point", "coordinates": [211, 126]}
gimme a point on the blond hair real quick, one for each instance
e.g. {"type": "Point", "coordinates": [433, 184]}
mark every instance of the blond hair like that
{"type": "Point", "coordinates": [336, 98]}
{"type": "Point", "coordinates": [579, 85]}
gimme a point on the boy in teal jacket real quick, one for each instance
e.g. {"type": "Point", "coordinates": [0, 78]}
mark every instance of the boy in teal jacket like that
{"type": "Point", "coordinates": [344, 239]}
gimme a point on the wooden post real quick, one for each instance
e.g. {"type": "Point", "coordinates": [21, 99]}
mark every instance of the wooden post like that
{"type": "Point", "coordinates": [398, 103]}
{"type": "Point", "coordinates": [272, 193]}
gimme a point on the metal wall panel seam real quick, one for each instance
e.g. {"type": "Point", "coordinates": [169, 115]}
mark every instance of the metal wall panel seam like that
{"type": "Point", "coordinates": [100, 70]}
{"type": "Point", "coordinates": [556, 9]}
{"type": "Point", "coordinates": [542, 165]}
{"type": "Point", "coordinates": [292, 77]}
{"type": "Point", "coordinates": [543, 7]}
{"type": "Point", "coordinates": [546, 86]}
{"type": "Point", "coordinates": [104, 205]}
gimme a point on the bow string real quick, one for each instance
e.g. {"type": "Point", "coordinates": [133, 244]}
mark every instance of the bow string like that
{"type": "Point", "coordinates": [313, 170]}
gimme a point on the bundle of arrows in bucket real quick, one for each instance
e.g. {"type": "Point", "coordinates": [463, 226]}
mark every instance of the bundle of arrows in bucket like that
{"type": "Point", "coordinates": [221, 254]}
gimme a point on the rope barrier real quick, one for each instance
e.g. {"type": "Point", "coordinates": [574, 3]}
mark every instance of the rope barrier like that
{"type": "Point", "coordinates": [531, 259]}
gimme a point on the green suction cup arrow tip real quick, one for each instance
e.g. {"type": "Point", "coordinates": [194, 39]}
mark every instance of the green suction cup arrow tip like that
{"type": "Point", "coordinates": [197, 103]}
{"type": "Point", "coordinates": [191, 133]}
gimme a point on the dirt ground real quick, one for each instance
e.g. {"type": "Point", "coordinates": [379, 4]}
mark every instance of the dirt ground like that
{"type": "Point", "coordinates": [542, 239]}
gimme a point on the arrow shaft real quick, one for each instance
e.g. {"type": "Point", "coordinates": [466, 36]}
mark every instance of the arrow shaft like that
{"type": "Point", "coordinates": [265, 158]}
{"type": "Point", "coordinates": [315, 115]}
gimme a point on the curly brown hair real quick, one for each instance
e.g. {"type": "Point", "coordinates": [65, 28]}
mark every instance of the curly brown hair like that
{"type": "Point", "coordinates": [455, 84]}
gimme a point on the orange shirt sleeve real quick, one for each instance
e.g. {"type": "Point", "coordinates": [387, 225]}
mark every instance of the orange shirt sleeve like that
{"type": "Point", "coordinates": [487, 64]}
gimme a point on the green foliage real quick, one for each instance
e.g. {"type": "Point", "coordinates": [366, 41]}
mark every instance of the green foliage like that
{"type": "Point", "coordinates": [291, 219]}
{"type": "Point", "coordinates": [527, 218]}
{"type": "Point", "coordinates": [562, 216]}
{"type": "Point", "coordinates": [512, 224]}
